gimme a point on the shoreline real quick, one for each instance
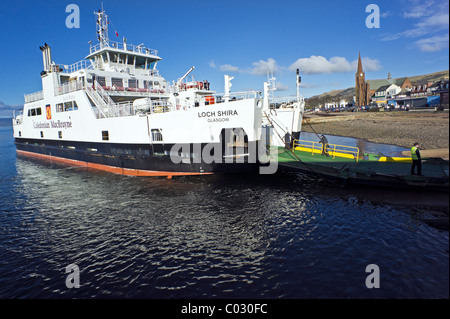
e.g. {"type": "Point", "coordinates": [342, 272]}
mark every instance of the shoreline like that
{"type": "Point", "coordinates": [431, 130]}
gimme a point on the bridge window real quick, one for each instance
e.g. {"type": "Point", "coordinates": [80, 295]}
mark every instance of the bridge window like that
{"type": "Point", "coordinates": [122, 58]}
{"type": "Point", "coordinates": [140, 62]}
{"type": "Point", "coordinates": [114, 57]}
{"type": "Point", "coordinates": [105, 57]}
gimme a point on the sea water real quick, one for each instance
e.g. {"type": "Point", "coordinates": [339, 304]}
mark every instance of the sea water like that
{"type": "Point", "coordinates": [281, 236]}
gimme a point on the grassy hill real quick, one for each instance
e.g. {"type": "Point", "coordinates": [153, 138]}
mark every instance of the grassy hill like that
{"type": "Point", "coordinates": [349, 93]}
{"type": "Point", "coordinates": [432, 77]}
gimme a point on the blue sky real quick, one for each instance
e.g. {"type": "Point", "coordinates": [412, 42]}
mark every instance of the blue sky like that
{"type": "Point", "coordinates": [240, 38]}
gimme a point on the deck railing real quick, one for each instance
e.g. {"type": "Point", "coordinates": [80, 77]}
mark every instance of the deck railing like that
{"type": "Point", "coordinates": [33, 97]}
{"type": "Point", "coordinates": [123, 46]}
{"type": "Point", "coordinates": [68, 87]}
{"type": "Point", "coordinates": [77, 66]}
{"type": "Point", "coordinates": [334, 150]}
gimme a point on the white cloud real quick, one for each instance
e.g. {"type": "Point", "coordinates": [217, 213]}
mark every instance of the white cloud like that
{"type": "Point", "coordinates": [386, 14]}
{"type": "Point", "coordinates": [432, 17]}
{"type": "Point", "coordinates": [229, 68]}
{"type": "Point", "coordinates": [419, 9]}
{"type": "Point", "coordinates": [433, 44]}
{"type": "Point", "coordinates": [263, 67]}
{"type": "Point", "coordinates": [282, 87]}
{"type": "Point", "coordinates": [309, 85]}
{"type": "Point", "coordinates": [260, 67]}
{"type": "Point", "coordinates": [437, 20]}
{"type": "Point", "coordinates": [368, 64]}
{"type": "Point", "coordinates": [320, 65]}
{"type": "Point", "coordinates": [212, 64]}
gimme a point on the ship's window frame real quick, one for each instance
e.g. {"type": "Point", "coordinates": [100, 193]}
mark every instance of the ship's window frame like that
{"type": "Point", "coordinates": [148, 84]}
{"type": "Point", "coordinates": [114, 57]}
{"type": "Point", "coordinates": [140, 63]}
{"type": "Point", "coordinates": [105, 135]}
{"type": "Point", "coordinates": [157, 135]}
{"type": "Point", "coordinates": [68, 106]}
{"type": "Point", "coordinates": [115, 82]}
{"type": "Point", "coordinates": [101, 80]}
{"type": "Point", "coordinates": [122, 58]}
{"type": "Point", "coordinates": [132, 83]}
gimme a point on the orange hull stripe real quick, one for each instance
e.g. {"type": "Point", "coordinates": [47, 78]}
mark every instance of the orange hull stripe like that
{"type": "Point", "coordinates": [112, 169]}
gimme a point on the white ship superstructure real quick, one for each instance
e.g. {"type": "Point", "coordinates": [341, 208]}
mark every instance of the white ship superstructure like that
{"type": "Point", "coordinates": [282, 116]}
{"type": "Point", "coordinates": [114, 111]}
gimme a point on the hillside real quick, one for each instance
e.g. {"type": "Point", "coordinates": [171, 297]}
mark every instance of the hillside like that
{"type": "Point", "coordinates": [432, 77]}
{"type": "Point", "coordinates": [5, 122]}
{"type": "Point", "coordinates": [349, 93]}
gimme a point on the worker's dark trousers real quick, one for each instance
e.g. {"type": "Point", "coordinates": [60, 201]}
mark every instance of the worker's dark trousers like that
{"type": "Point", "coordinates": [418, 164]}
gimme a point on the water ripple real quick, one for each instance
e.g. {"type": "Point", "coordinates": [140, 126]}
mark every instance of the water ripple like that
{"type": "Point", "coordinates": [281, 236]}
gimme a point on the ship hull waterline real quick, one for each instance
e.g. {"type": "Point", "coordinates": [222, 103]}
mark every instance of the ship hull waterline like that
{"type": "Point", "coordinates": [131, 160]}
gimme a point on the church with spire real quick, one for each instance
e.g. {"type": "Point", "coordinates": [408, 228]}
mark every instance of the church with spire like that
{"type": "Point", "coordinates": [362, 88]}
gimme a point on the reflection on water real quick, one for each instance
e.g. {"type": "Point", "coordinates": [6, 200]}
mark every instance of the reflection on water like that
{"type": "Point", "coordinates": [247, 236]}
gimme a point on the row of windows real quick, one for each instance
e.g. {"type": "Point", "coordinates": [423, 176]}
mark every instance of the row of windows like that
{"type": "Point", "coordinates": [138, 62]}
{"type": "Point", "coordinates": [35, 112]}
{"type": "Point", "coordinates": [119, 82]}
{"type": "Point", "coordinates": [61, 107]}
{"type": "Point", "coordinates": [156, 135]}
{"type": "Point", "coordinates": [66, 106]}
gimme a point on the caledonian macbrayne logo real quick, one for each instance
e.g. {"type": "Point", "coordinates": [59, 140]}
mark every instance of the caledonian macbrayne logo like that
{"type": "Point", "coordinates": [48, 111]}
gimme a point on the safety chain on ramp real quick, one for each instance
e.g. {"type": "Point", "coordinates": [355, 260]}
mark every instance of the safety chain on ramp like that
{"type": "Point", "coordinates": [281, 139]}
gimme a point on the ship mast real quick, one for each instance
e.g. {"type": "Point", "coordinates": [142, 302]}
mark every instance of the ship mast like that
{"type": "Point", "coordinates": [102, 27]}
{"type": "Point", "coordinates": [299, 81]}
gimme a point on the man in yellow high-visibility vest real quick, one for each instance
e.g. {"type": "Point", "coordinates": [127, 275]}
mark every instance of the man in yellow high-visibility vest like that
{"type": "Point", "coordinates": [417, 160]}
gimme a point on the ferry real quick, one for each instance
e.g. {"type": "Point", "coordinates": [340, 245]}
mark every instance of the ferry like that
{"type": "Point", "coordinates": [113, 111]}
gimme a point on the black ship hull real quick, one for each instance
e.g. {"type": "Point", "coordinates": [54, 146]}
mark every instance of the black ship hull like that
{"type": "Point", "coordinates": [141, 159]}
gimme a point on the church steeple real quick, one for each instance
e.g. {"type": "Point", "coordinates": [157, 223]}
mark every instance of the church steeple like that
{"type": "Point", "coordinates": [360, 69]}
{"type": "Point", "coordinates": [361, 87]}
